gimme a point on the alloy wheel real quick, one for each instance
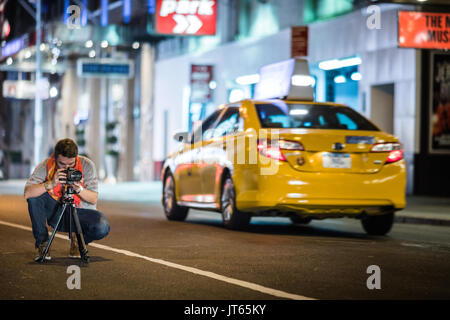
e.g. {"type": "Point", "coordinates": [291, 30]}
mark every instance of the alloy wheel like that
{"type": "Point", "coordinates": [168, 194]}
{"type": "Point", "coordinates": [227, 201]}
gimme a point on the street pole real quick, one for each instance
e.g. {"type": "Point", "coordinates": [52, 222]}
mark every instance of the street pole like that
{"type": "Point", "coordinates": [38, 102]}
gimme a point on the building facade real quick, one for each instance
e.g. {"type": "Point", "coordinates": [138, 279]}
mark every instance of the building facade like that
{"type": "Point", "coordinates": [386, 83]}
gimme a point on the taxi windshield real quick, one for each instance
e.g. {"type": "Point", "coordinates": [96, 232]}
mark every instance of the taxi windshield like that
{"type": "Point", "coordinates": [311, 116]}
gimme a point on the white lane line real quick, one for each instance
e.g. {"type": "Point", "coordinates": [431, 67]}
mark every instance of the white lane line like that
{"type": "Point", "coordinates": [417, 245]}
{"type": "Point", "coordinates": [241, 283]}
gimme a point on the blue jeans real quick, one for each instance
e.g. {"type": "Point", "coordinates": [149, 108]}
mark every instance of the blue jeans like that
{"type": "Point", "coordinates": [44, 209]}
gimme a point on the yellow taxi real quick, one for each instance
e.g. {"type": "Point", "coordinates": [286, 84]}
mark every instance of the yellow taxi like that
{"type": "Point", "coordinates": [299, 159]}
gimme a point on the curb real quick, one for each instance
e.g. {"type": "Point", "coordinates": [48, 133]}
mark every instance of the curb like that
{"type": "Point", "coordinates": [418, 220]}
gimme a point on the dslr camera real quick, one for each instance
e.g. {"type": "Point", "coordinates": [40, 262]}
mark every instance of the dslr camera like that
{"type": "Point", "coordinates": [73, 175]}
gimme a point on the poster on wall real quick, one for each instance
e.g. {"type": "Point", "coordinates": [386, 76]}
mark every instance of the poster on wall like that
{"type": "Point", "coordinates": [440, 103]}
{"type": "Point", "coordinates": [201, 93]}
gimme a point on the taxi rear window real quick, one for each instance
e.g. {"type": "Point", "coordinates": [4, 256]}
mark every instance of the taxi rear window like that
{"type": "Point", "coordinates": [312, 116]}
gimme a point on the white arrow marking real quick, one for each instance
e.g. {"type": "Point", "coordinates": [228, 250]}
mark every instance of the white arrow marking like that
{"type": "Point", "coordinates": [189, 24]}
{"type": "Point", "coordinates": [182, 23]}
{"type": "Point", "coordinates": [194, 24]}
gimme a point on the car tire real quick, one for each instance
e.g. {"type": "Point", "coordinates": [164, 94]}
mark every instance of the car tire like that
{"type": "Point", "coordinates": [232, 218]}
{"type": "Point", "coordinates": [300, 220]}
{"type": "Point", "coordinates": [172, 210]}
{"type": "Point", "coordinates": [378, 225]}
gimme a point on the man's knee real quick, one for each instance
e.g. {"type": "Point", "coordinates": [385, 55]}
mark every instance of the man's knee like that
{"type": "Point", "coordinates": [36, 200]}
{"type": "Point", "coordinates": [102, 228]}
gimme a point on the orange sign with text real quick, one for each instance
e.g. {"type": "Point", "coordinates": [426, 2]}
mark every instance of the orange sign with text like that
{"type": "Point", "coordinates": [423, 30]}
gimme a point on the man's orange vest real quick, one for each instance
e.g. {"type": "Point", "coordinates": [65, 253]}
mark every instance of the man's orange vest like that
{"type": "Point", "coordinates": [56, 191]}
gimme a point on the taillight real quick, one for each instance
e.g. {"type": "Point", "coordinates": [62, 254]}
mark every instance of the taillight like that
{"type": "Point", "coordinates": [395, 151]}
{"type": "Point", "coordinates": [272, 148]}
{"type": "Point", "coordinates": [394, 156]}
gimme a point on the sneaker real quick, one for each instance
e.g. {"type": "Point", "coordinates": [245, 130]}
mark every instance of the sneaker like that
{"type": "Point", "coordinates": [74, 251]}
{"type": "Point", "coordinates": [40, 251]}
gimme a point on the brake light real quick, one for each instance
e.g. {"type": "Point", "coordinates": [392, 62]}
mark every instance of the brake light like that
{"type": "Point", "coordinates": [272, 148]}
{"type": "Point", "coordinates": [271, 152]}
{"type": "Point", "coordinates": [394, 156]}
{"type": "Point", "coordinates": [395, 151]}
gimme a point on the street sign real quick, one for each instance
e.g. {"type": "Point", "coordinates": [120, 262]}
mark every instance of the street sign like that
{"type": "Point", "coordinates": [423, 30]}
{"type": "Point", "coordinates": [299, 41]}
{"type": "Point", "coordinates": [105, 68]}
{"type": "Point", "coordinates": [186, 17]}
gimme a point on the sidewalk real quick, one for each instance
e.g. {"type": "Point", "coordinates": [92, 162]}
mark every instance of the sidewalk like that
{"type": "Point", "coordinates": [123, 191]}
{"type": "Point", "coordinates": [419, 209]}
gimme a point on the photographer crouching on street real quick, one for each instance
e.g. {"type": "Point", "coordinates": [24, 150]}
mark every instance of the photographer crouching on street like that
{"type": "Point", "coordinates": [43, 192]}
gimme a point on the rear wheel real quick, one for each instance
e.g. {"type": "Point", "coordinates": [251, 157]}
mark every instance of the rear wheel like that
{"type": "Point", "coordinates": [231, 217]}
{"type": "Point", "coordinates": [300, 220]}
{"type": "Point", "coordinates": [378, 225]}
{"type": "Point", "coordinates": [172, 210]}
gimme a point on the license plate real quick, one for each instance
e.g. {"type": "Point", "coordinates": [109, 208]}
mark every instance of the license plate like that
{"type": "Point", "coordinates": [336, 160]}
{"type": "Point", "coordinates": [359, 139]}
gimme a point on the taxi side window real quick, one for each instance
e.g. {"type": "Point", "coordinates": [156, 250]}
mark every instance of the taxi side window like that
{"type": "Point", "coordinates": [205, 130]}
{"type": "Point", "coordinates": [229, 123]}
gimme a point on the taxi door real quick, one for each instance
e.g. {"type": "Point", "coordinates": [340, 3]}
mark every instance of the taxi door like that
{"type": "Point", "coordinates": [214, 152]}
{"type": "Point", "coordinates": [189, 163]}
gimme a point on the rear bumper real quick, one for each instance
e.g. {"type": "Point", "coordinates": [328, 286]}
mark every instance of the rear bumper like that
{"type": "Point", "coordinates": [321, 194]}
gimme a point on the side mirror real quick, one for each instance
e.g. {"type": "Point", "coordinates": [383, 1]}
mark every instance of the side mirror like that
{"type": "Point", "coordinates": [181, 136]}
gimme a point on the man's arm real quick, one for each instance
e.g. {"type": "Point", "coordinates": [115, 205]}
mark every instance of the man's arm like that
{"type": "Point", "coordinates": [85, 194]}
{"type": "Point", "coordinates": [89, 192]}
{"type": "Point", "coordinates": [35, 190]}
{"type": "Point", "coordinates": [35, 184]}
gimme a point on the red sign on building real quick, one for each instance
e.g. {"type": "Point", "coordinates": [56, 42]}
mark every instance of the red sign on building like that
{"type": "Point", "coordinates": [423, 30]}
{"type": "Point", "coordinates": [186, 17]}
{"type": "Point", "coordinates": [201, 76]}
{"type": "Point", "coordinates": [299, 41]}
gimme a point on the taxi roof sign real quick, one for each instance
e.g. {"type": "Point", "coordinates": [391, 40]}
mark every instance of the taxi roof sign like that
{"type": "Point", "coordinates": [276, 81]}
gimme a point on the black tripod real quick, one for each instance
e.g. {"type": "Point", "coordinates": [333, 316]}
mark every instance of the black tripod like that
{"type": "Point", "coordinates": [67, 202]}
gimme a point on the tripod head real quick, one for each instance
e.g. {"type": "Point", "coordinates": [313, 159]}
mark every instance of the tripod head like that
{"type": "Point", "coordinates": [67, 194]}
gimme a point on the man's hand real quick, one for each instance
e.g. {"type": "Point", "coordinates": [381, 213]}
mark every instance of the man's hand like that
{"type": "Point", "coordinates": [59, 177]}
{"type": "Point", "coordinates": [77, 185]}
{"type": "Point", "coordinates": [87, 195]}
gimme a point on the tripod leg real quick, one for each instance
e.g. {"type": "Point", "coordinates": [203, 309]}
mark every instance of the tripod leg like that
{"type": "Point", "coordinates": [80, 238]}
{"type": "Point", "coordinates": [42, 258]}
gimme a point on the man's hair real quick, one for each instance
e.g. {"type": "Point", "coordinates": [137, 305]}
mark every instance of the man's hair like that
{"type": "Point", "coordinates": [67, 148]}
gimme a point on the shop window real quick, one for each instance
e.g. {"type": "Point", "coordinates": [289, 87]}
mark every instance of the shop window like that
{"type": "Point", "coordinates": [346, 121]}
{"type": "Point", "coordinates": [317, 10]}
{"type": "Point", "coordinates": [341, 86]}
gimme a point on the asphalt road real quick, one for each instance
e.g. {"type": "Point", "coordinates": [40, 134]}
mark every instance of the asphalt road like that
{"type": "Point", "coordinates": [147, 257]}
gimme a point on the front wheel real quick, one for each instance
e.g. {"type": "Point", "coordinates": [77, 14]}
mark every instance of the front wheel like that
{"type": "Point", "coordinates": [232, 218]}
{"type": "Point", "coordinates": [378, 225]}
{"type": "Point", "coordinates": [172, 210]}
